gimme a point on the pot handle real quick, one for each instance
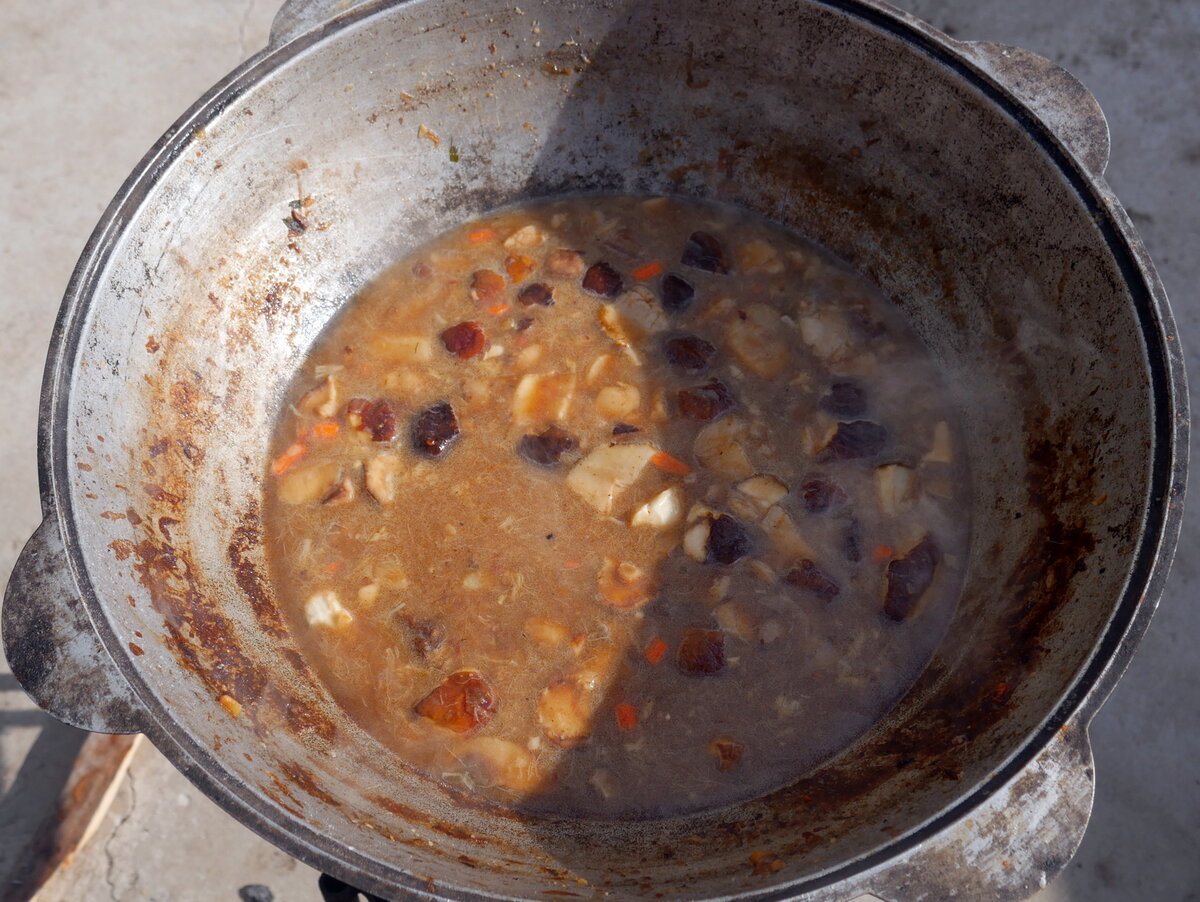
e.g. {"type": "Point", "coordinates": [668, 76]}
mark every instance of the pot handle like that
{"type": "Point", "coordinates": [1056, 96]}
{"type": "Point", "coordinates": [1010, 846]}
{"type": "Point", "coordinates": [52, 648]}
{"type": "Point", "coordinates": [296, 17]}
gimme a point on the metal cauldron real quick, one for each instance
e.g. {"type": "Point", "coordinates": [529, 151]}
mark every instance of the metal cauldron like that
{"type": "Point", "coordinates": [966, 179]}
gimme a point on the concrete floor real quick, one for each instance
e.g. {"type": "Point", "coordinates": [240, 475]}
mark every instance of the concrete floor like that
{"type": "Point", "coordinates": [86, 86]}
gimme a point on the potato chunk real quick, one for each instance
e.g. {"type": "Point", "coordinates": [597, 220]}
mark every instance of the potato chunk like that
{"type": "Point", "coordinates": [615, 402]}
{"type": "Point", "coordinates": [607, 471]}
{"type": "Point", "coordinates": [718, 448]}
{"type": "Point", "coordinates": [326, 609]}
{"type": "Point", "coordinates": [499, 762]}
{"type": "Point", "coordinates": [896, 487]}
{"type": "Point", "coordinates": [562, 714]}
{"type": "Point", "coordinates": [756, 341]}
{"type": "Point", "coordinates": [543, 397]}
{"type": "Point", "coordinates": [661, 512]}
{"type": "Point", "coordinates": [382, 476]}
{"type": "Point", "coordinates": [310, 483]}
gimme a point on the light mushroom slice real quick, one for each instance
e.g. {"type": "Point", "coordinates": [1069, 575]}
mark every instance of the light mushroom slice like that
{"type": "Point", "coordinates": [499, 762]}
{"type": "Point", "coordinates": [383, 476]}
{"type": "Point", "coordinates": [326, 609]}
{"type": "Point", "coordinates": [607, 471]}
{"type": "Point", "coordinates": [543, 397]}
{"type": "Point", "coordinates": [309, 483]}
{"type": "Point", "coordinates": [661, 512]}
{"type": "Point", "coordinates": [342, 493]}
{"type": "Point", "coordinates": [624, 585]}
{"type": "Point", "coordinates": [757, 341]}
{"type": "Point", "coordinates": [322, 399]}
{"type": "Point", "coordinates": [784, 535]}
{"type": "Point", "coordinates": [896, 488]}
{"type": "Point", "coordinates": [753, 497]}
{"type": "Point", "coordinates": [941, 449]}
{"type": "Point", "coordinates": [396, 348]}
{"type": "Point", "coordinates": [718, 448]}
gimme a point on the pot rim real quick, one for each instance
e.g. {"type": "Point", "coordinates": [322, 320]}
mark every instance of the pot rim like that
{"type": "Point", "coordinates": [1109, 658]}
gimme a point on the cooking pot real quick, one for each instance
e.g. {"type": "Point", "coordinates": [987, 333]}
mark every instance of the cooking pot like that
{"type": "Point", "coordinates": [965, 179]}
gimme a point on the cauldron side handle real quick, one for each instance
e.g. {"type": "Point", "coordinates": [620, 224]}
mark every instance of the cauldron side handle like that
{"type": "Point", "coordinates": [297, 17]}
{"type": "Point", "coordinates": [52, 648]}
{"type": "Point", "coordinates": [1009, 847]}
{"type": "Point", "coordinates": [1060, 100]}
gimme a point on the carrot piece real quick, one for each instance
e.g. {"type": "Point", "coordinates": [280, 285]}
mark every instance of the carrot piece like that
{"type": "Point", "coordinates": [497, 309]}
{"type": "Point", "coordinates": [482, 235]}
{"type": "Point", "coordinates": [326, 429]}
{"type": "Point", "coordinates": [649, 271]}
{"type": "Point", "coordinates": [627, 716]}
{"type": "Point", "coordinates": [882, 553]}
{"type": "Point", "coordinates": [287, 458]}
{"type": "Point", "coordinates": [572, 564]}
{"type": "Point", "coordinates": [670, 464]}
{"type": "Point", "coordinates": [655, 650]}
{"type": "Point", "coordinates": [332, 568]}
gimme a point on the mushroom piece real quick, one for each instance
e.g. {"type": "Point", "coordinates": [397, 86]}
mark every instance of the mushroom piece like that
{"type": "Point", "coordinates": [434, 430]}
{"type": "Point", "coordinates": [547, 448]}
{"type": "Point", "coordinates": [309, 483]}
{"type": "Point", "coordinates": [463, 701]}
{"type": "Point", "coordinates": [564, 262]}
{"type": "Point", "coordinates": [909, 578]}
{"type": "Point", "coordinates": [753, 497]}
{"type": "Point", "coordinates": [322, 399]}
{"type": "Point", "coordinates": [701, 651]}
{"type": "Point", "coordinates": [624, 585]}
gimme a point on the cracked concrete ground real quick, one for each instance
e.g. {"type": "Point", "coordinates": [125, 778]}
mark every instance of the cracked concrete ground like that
{"type": "Point", "coordinates": [86, 87]}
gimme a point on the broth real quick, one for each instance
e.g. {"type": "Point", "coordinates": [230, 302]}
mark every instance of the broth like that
{"type": "Point", "coordinates": [618, 507]}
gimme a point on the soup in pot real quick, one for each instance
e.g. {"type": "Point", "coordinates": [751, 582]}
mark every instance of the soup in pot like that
{"type": "Point", "coordinates": [618, 507]}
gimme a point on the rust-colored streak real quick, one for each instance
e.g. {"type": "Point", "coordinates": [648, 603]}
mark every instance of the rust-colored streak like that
{"type": "Point", "coordinates": [136, 649]}
{"type": "Point", "coordinates": [161, 495]}
{"type": "Point", "coordinates": [247, 538]}
{"type": "Point", "coordinates": [304, 780]}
